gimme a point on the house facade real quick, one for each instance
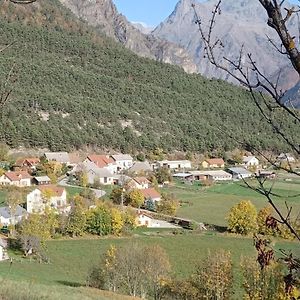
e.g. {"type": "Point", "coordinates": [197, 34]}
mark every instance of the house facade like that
{"type": "Point", "coordinates": [47, 196]}
{"type": "Point", "coordinates": [123, 161]}
{"type": "Point", "coordinates": [213, 163]}
{"type": "Point", "coordinates": [8, 217]}
{"type": "Point", "coordinates": [17, 178]}
{"type": "Point", "coordinates": [174, 164]}
{"type": "Point", "coordinates": [143, 219]}
{"type": "Point", "coordinates": [250, 161]}
{"type": "Point", "coordinates": [139, 183]}
{"type": "Point", "coordinates": [239, 173]}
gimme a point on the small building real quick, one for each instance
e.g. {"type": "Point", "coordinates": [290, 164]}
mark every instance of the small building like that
{"type": "Point", "coordinates": [8, 217]}
{"type": "Point", "coordinates": [183, 176]}
{"type": "Point", "coordinates": [139, 183]}
{"type": "Point", "coordinates": [218, 175]}
{"type": "Point", "coordinates": [151, 194]}
{"type": "Point", "coordinates": [213, 163]}
{"type": "Point", "coordinates": [143, 219]}
{"type": "Point", "coordinates": [174, 164]}
{"type": "Point", "coordinates": [103, 161]}
{"type": "Point", "coordinates": [47, 196]}
{"type": "Point", "coordinates": [123, 161]}
{"type": "Point", "coordinates": [266, 174]}
{"type": "Point", "coordinates": [41, 180]}
{"type": "Point", "coordinates": [239, 173]}
{"type": "Point", "coordinates": [27, 164]}
{"type": "Point", "coordinates": [61, 157]}
{"type": "Point", "coordinates": [17, 178]}
{"type": "Point", "coordinates": [250, 161]}
{"type": "Point", "coordinates": [286, 157]}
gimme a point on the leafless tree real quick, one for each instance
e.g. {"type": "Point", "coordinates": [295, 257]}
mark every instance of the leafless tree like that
{"type": "Point", "coordinates": [266, 95]}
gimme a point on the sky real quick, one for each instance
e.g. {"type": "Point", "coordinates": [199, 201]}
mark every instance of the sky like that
{"type": "Point", "coordinates": [150, 12]}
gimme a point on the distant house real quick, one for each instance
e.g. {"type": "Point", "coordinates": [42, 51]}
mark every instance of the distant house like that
{"type": "Point", "coordinates": [41, 180]}
{"type": "Point", "coordinates": [47, 196]}
{"type": "Point", "coordinates": [7, 217]}
{"type": "Point", "coordinates": [123, 161]}
{"type": "Point", "coordinates": [103, 161]}
{"type": "Point", "coordinates": [219, 175]}
{"type": "Point", "coordinates": [27, 164]}
{"type": "Point", "coordinates": [61, 157]}
{"type": "Point", "coordinates": [17, 178]}
{"type": "Point", "coordinates": [286, 157]}
{"type": "Point", "coordinates": [140, 167]}
{"type": "Point", "coordinates": [174, 164]}
{"type": "Point", "coordinates": [94, 173]}
{"type": "Point", "coordinates": [250, 161]}
{"type": "Point", "coordinates": [151, 194]}
{"type": "Point", "coordinates": [239, 173]}
{"type": "Point", "coordinates": [139, 183]}
{"type": "Point", "coordinates": [143, 219]}
{"type": "Point", "coordinates": [266, 174]}
{"type": "Point", "coordinates": [213, 163]}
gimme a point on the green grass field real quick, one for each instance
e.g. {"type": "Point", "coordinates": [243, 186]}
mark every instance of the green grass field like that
{"type": "Point", "coordinates": [211, 205]}
{"type": "Point", "coordinates": [2, 198]}
{"type": "Point", "coordinates": [70, 260]}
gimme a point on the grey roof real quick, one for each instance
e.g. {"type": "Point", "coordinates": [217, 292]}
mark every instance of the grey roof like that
{"type": "Point", "coordinates": [42, 178]}
{"type": "Point", "coordinates": [182, 175]}
{"type": "Point", "coordinates": [239, 170]}
{"type": "Point", "coordinates": [119, 157]}
{"type": "Point", "coordinates": [62, 157]}
{"type": "Point", "coordinates": [141, 166]}
{"type": "Point", "coordinates": [248, 158]}
{"type": "Point", "coordinates": [210, 173]}
{"type": "Point", "coordinates": [5, 212]}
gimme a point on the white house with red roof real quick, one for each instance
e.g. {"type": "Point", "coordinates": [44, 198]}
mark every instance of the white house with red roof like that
{"type": "Point", "coordinates": [151, 194]}
{"type": "Point", "coordinates": [139, 183]}
{"type": "Point", "coordinates": [47, 196]}
{"type": "Point", "coordinates": [103, 161]}
{"type": "Point", "coordinates": [17, 178]}
{"type": "Point", "coordinates": [143, 219]}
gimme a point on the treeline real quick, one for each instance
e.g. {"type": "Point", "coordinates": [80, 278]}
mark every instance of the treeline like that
{"type": "Point", "coordinates": [76, 88]}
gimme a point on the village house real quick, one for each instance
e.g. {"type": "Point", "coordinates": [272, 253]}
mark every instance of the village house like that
{"type": "Point", "coordinates": [143, 219]}
{"type": "Point", "coordinates": [266, 174]}
{"type": "Point", "coordinates": [47, 196]}
{"type": "Point", "coordinates": [27, 164]}
{"type": "Point", "coordinates": [123, 161]}
{"type": "Point", "coordinates": [8, 217]}
{"type": "Point", "coordinates": [151, 194]}
{"type": "Point", "coordinates": [139, 183]}
{"type": "Point", "coordinates": [239, 173]}
{"type": "Point", "coordinates": [41, 180]}
{"type": "Point", "coordinates": [61, 157]}
{"type": "Point", "coordinates": [174, 164]}
{"type": "Point", "coordinates": [218, 175]}
{"type": "Point", "coordinates": [17, 178]}
{"type": "Point", "coordinates": [213, 163]}
{"type": "Point", "coordinates": [286, 157]}
{"type": "Point", "coordinates": [250, 161]}
{"type": "Point", "coordinates": [103, 161]}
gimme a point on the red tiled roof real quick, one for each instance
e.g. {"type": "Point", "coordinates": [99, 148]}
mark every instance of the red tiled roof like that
{"type": "Point", "coordinates": [100, 160]}
{"type": "Point", "coordinates": [17, 175]}
{"type": "Point", "coordinates": [32, 161]}
{"type": "Point", "coordinates": [57, 190]}
{"type": "Point", "coordinates": [150, 193]}
{"type": "Point", "coordinates": [215, 161]}
{"type": "Point", "coordinates": [141, 180]}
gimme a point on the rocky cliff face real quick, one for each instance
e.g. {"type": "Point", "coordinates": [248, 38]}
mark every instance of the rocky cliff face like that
{"type": "Point", "coordinates": [103, 15]}
{"type": "Point", "coordinates": [242, 22]}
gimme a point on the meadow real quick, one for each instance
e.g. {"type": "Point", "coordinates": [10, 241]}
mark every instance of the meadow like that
{"type": "Point", "coordinates": [212, 204]}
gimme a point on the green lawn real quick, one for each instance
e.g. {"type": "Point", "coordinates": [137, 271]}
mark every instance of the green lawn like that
{"type": "Point", "coordinates": [70, 260]}
{"type": "Point", "coordinates": [211, 205]}
{"type": "Point", "coordinates": [2, 198]}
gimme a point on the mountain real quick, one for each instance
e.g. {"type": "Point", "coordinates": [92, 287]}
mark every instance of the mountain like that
{"type": "Point", "coordinates": [103, 15]}
{"type": "Point", "coordinates": [242, 22]}
{"type": "Point", "coordinates": [77, 88]}
{"type": "Point", "coordinates": [142, 27]}
{"type": "Point", "coordinates": [292, 96]}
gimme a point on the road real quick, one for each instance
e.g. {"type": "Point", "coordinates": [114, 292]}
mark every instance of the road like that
{"type": "Point", "coordinates": [98, 193]}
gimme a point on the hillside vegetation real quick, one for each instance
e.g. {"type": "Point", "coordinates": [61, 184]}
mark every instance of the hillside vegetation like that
{"type": "Point", "coordinates": [75, 88]}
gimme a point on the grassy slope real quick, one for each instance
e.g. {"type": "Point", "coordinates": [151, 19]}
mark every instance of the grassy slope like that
{"type": "Point", "coordinates": [211, 205]}
{"type": "Point", "coordinates": [70, 260]}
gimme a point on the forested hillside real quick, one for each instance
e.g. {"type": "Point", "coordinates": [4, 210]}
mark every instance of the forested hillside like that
{"type": "Point", "coordinates": [76, 88]}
